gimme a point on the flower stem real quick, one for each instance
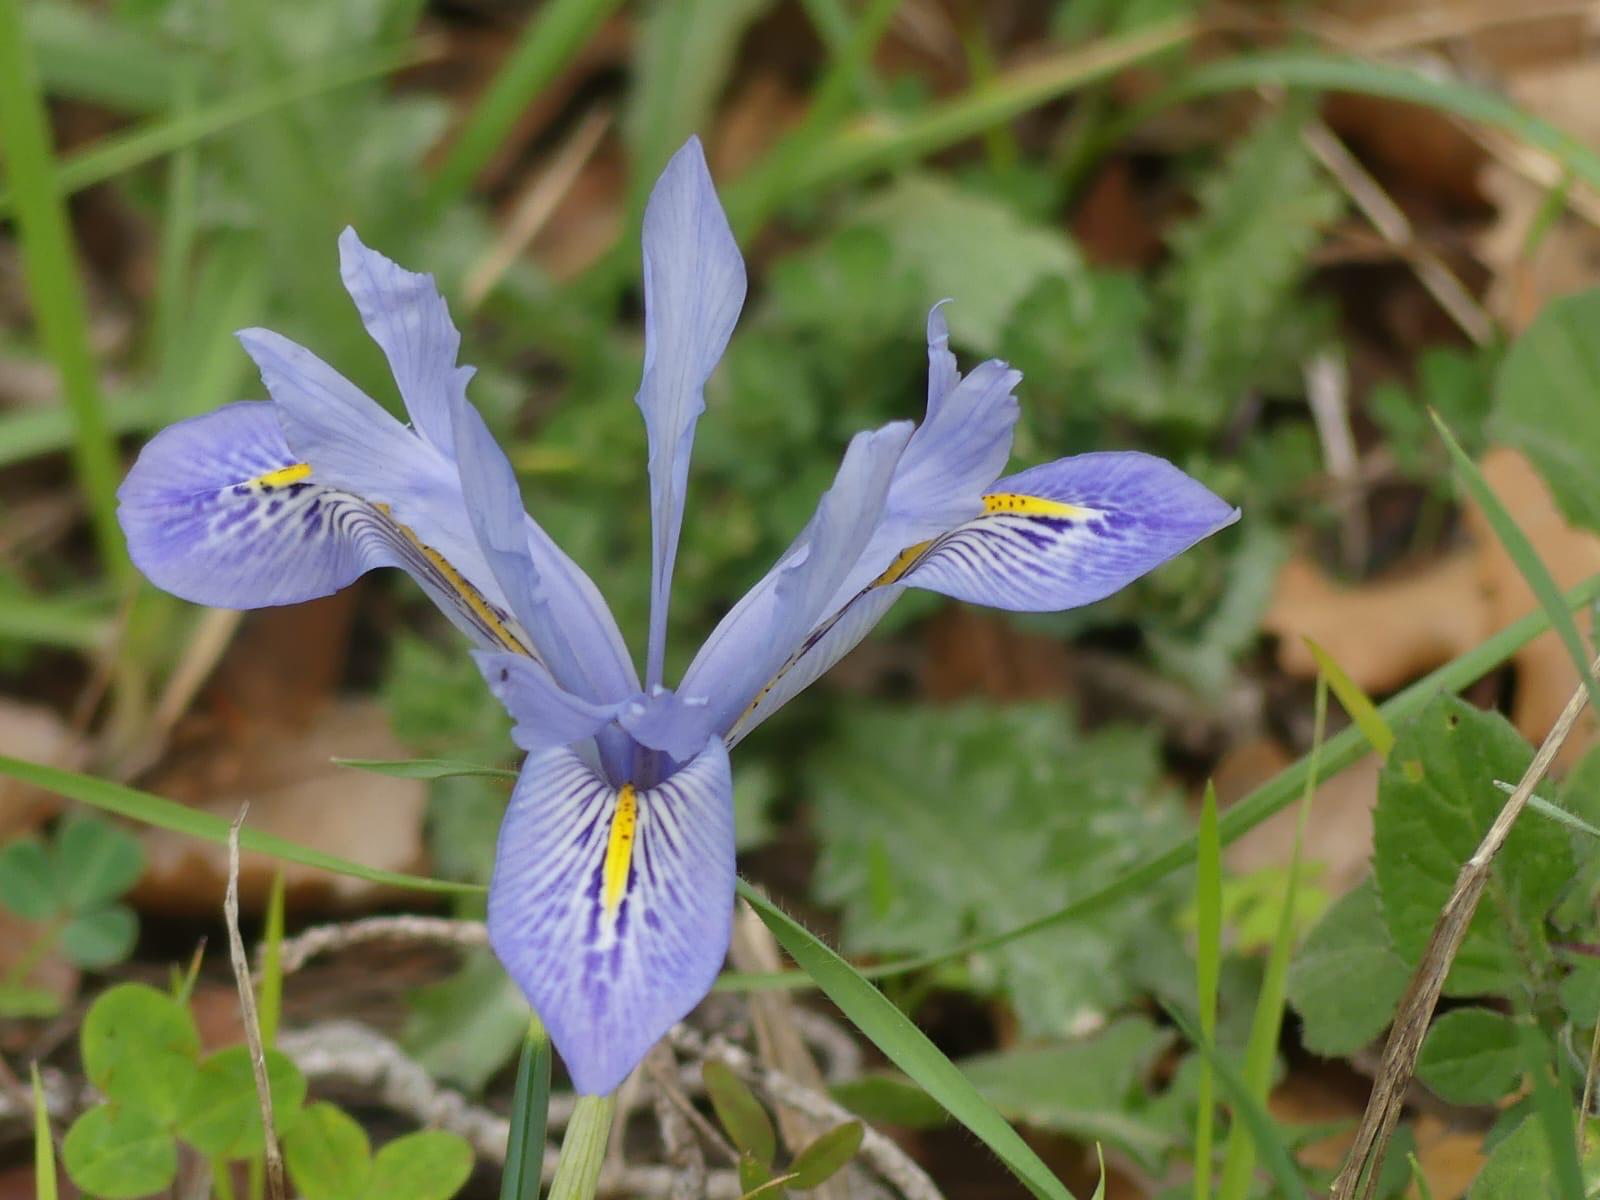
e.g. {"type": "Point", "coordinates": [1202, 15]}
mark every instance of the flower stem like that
{"type": "Point", "coordinates": [583, 1149]}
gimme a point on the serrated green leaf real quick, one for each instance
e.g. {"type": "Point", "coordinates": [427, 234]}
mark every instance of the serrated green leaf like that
{"type": "Point", "coordinates": [1347, 978]}
{"type": "Point", "coordinates": [120, 1152]}
{"type": "Point", "coordinates": [1436, 800]}
{"type": "Point", "coordinates": [431, 1164]}
{"type": "Point", "coordinates": [1471, 1056]}
{"type": "Point", "coordinates": [965, 803]}
{"type": "Point", "coordinates": [1544, 401]}
{"type": "Point", "coordinates": [27, 886]}
{"type": "Point", "coordinates": [746, 1122]}
{"type": "Point", "coordinates": [100, 938]}
{"type": "Point", "coordinates": [825, 1156]}
{"type": "Point", "coordinates": [220, 1114]}
{"type": "Point", "coordinates": [139, 1047]}
{"type": "Point", "coordinates": [327, 1155]}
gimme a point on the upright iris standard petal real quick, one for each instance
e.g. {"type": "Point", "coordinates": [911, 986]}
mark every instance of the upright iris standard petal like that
{"type": "Point", "coordinates": [753, 641]}
{"type": "Point", "coordinates": [1071, 532]}
{"type": "Point", "coordinates": [612, 906]}
{"type": "Point", "coordinates": [408, 318]}
{"type": "Point", "coordinates": [694, 287]}
{"type": "Point", "coordinates": [218, 510]}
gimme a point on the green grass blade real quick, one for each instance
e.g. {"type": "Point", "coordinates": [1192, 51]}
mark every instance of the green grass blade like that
{"type": "Point", "coordinates": [906, 1046]}
{"type": "Point", "coordinates": [546, 45]}
{"type": "Point", "coordinates": [269, 1003]}
{"type": "Point", "coordinates": [423, 768]}
{"type": "Point", "coordinates": [62, 621]}
{"type": "Point", "coordinates": [1356, 702]}
{"type": "Point", "coordinates": [1526, 558]}
{"type": "Point", "coordinates": [121, 152]}
{"type": "Point", "coordinates": [44, 1148]}
{"type": "Point", "coordinates": [33, 432]}
{"type": "Point", "coordinates": [166, 814]}
{"type": "Point", "coordinates": [1208, 969]}
{"type": "Point", "coordinates": [1561, 816]}
{"type": "Point", "coordinates": [50, 266]}
{"type": "Point", "coordinates": [1271, 797]}
{"type": "Point", "coordinates": [1267, 1024]}
{"type": "Point", "coordinates": [530, 1109]}
{"type": "Point", "coordinates": [1553, 1109]}
{"type": "Point", "coordinates": [83, 54]}
{"type": "Point", "coordinates": [1247, 1110]}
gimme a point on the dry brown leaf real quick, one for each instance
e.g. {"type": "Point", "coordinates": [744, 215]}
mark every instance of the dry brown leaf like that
{"type": "Point", "coordinates": [979, 654]}
{"type": "Point", "coordinates": [1450, 1158]}
{"type": "Point", "coordinates": [295, 791]}
{"type": "Point", "coordinates": [1565, 258]}
{"type": "Point", "coordinates": [1546, 676]}
{"type": "Point", "coordinates": [1384, 633]}
{"type": "Point", "coordinates": [35, 733]}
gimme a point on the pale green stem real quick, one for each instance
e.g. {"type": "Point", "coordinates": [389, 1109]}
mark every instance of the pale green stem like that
{"type": "Point", "coordinates": [583, 1149]}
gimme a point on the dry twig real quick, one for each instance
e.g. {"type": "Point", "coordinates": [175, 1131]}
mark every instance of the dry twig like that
{"type": "Point", "coordinates": [323, 939]}
{"type": "Point", "coordinates": [1361, 1167]}
{"type": "Point", "coordinates": [247, 1010]}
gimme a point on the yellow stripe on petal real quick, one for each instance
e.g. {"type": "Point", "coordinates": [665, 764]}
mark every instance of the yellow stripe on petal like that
{"type": "Point", "coordinates": [283, 476]}
{"type": "Point", "coordinates": [901, 564]}
{"type": "Point", "coordinates": [1018, 505]}
{"type": "Point", "coordinates": [619, 850]}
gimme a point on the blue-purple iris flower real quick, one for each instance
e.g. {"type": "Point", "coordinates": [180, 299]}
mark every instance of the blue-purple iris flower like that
{"type": "Point", "coordinates": [613, 886]}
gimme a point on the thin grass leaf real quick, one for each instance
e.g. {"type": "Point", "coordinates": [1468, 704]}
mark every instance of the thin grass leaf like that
{"type": "Point", "coordinates": [547, 44]}
{"type": "Point", "coordinates": [905, 1045]}
{"type": "Point", "coordinates": [179, 225]}
{"type": "Point", "coordinates": [1267, 1023]}
{"type": "Point", "coordinates": [57, 621]}
{"type": "Point", "coordinates": [44, 1147]}
{"type": "Point", "coordinates": [165, 814]}
{"type": "Point", "coordinates": [530, 1110]}
{"type": "Point", "coordinates": [31, 432]}
{"type": "Point", "coordinates": [269, 1003]}
{"type": "Point", "coordinates": [50, 267]}
{"type": "Point", "coordinates": [121, 152]}
{"type": "Point", "coordinates": [83, 54]}
{"type": "Point", "coordinates": [1356, 702]}
{"type": "Point", "coordinates": [1552, 1106]}
{"type": "Point", "coordinates": [1526, 558]}
{"type": "Point", "coordinates": [423, 768]}
{"type": "Point", "coordinates": [1271, 797]}
{"type": "Point", "coordinates": [1207, 971]}
{"type": "Point", "coordinates": [1247, 1109]}
{"type": "Point", "coordinates": [1560, 815]}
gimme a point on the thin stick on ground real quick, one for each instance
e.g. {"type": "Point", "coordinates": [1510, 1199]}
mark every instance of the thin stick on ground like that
{"type": "Point", "coordinates": [1361, 1167]}
{"type": "Point", "coordinates": [323, 939]}
{"type": "Point", "coordinates": [247, 1009]}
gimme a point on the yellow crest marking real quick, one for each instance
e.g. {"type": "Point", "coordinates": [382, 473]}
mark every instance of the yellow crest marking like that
{"type": "Point", "coordinates": [619, 850]}
{"type": "Point", "coordinates": [283, 476]}
{"type": "Point", "coordinates": [901, 564]}
{"type": "Point", "coordinates": [1017, 504]}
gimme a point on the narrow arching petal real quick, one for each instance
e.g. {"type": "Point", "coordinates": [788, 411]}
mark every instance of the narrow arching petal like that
{"type": "Point", "coordinates": [219, 510]}
{"type": "Point", "coordinates": [694, 286]}
{"type": "Point", "coordinates": [1071, 532]}
{"type": "Point", "coordinates": [611, 907]}
{"type": "Point", "coordinates": [545, 714]}
{"type": "Point", "coordinates": [760, 633]}
{"type": "Point", "coordinates": [557, 603]}
{"type": "Point", "coordinates": [663, 720]}
{"type": "Point", "coordinates": [408, 318]}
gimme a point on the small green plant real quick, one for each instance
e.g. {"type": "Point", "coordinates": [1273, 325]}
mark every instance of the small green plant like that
{"type": "Point", "coordinates": [70, 887]}
{"type": "Point", "coordinates": [141, 1049]}
{"type": "Point", "coordinates": [750, 1130]}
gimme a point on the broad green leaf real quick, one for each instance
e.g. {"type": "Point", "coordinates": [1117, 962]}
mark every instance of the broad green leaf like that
{"type": "Point", "coordinates": [95, 862]}
{"type": "Point", "coordinates": [424, 768]}
{"type": "Point", "coordinates": [906, 1046]}
{"type": "Point", "coordinates": [967, 245]}
{"type": "Point", "coordinates": [1436, 800]}
{"type": "Point", "coordinates": [44, 1146]}
{"type": "Point", "coordinates": [120, 1152]}
{"type": "Point", "coordinates": [1091, 1088]}
{"type": "Point", "coordinates": [825, 1156]}
{"type": "Point", "coordinates": [1347, 978]}
{"type": "Point", "coordinates": [429, 1165]}
{"type": "Point", "coordinates": [753, 1175]}
{"type": "Point", "coordinates": [99, 938]}
{"type": "Point", "coordinates": [220, 1115]}
{"type": "Point", "coordinates": [1519, 1168]}
{"type": "Point", "coordinates": [746, 1122]}
{"type": "Point", "coordinates": [956, 815]}
{"type": "Point", "coordinates": [1547, 401]}
{"type": "Point", "coordinates": [165, 814]}
{"type": "Point", "coordinates": [328, 1155]}
{"type": "Point", "coordinates": [1471, 1056]}
{"type": "Point", "coordinates": [1453, 382]}
{"type": "Point", "coordinates": [27, 886]}
{"type": "Point", "coordinates": [139, 1047]}
{"type": "Point", "coordinates": [530, 1106]}
{"type": "Point", "coordinates": [888, 1099]}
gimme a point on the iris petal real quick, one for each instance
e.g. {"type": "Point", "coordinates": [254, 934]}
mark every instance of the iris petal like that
{"type": "Point", "coordinates": [1071, 532]}
{"type": "Point", "coordinates": [612, 908]}
{"type": "Point", "coordinates": [694, 286]}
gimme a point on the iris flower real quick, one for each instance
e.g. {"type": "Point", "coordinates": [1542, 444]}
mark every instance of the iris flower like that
{"type": "Point", "coordinates": [612, 896]}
